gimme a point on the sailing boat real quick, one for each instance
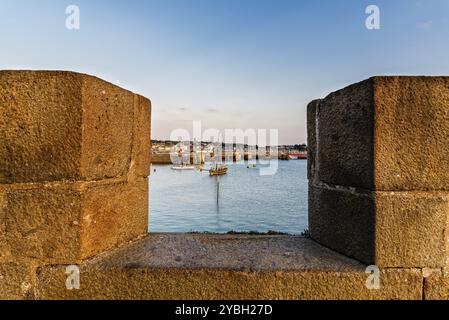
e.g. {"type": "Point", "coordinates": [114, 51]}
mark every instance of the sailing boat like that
{"type": "Point", "coordinates": [218, 170]}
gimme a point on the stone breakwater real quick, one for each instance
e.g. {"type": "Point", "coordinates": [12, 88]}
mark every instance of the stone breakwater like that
{"type": "Point", "coordinates": [74, 166]}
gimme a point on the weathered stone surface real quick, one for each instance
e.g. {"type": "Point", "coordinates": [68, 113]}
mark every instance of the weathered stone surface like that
{"type": "Point", "coordinates": [388, 229]}
{"type": "Point", "coordinates": [312, 116]}
{"type": "Point", "coordinates": [108, 121]}
{"type": "Point", "coordinates": [141, 152]}
{"type": "Point", "coordinates": [344, 221]}
{"type": "Point", "coordinates": [5, 254]}
{"type": "Point", "coordinates": [67, 223]}
{"type": "Point", "coordinates": [412, 133]}
{"type": "Point", "coordinates": [386, 134]}
{"type": "Point", "coordinates": [344, 133]}
{"type": "Point", "coordinates": [411, 229]}
{"type": "Point", "coordinates": [40, 126]}
{"type": "Point", "coordinates": [436, 285]}
{"type": "Point", "coordinates": [16, 281]}
{"type": "Point", "coordinates": [113, 215]}
{"type": "Point", "coordinates": [58, 126]}
{"type": "Point", "coordinates": [41, 224]}
{"type": "Point", "coordinates": [210, 267]}
{"type": "Point", "coordinates": [236, 252]}
{"type": "Point", "coordinates": [184, 284]}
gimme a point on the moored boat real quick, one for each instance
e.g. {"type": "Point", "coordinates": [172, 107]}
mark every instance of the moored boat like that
{"type": "Point", "coordinates": [297, 156]}
{"type": "Point", "coordinates": [183, 167]}
{"type": "Point", "coordinates": [218, 171]}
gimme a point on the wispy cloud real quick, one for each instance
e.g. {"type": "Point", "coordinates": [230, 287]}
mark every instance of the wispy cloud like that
{"type": "Point", "coordinates": [213, 110]}
{"type": "Point", "coordinates": [425, 25]}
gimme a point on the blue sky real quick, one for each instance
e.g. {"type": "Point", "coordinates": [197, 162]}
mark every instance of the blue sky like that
{"type": "Point", "coordinates": [230, 63]}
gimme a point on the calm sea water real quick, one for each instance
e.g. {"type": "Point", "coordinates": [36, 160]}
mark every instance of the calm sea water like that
{"type": "Point", "coordinates": [186, 201]}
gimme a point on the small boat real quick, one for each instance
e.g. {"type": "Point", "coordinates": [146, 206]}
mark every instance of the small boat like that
{"type": "Point", "coordinates": [183, 167]}
{"type": "Point", "coordinates": [252, 166]}
{"type": "Point", "coordinates": [218, 171]}
{"type": "Point", "coordinates": [297, 156]}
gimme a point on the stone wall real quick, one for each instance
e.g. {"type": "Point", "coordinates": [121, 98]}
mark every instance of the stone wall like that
{"type": "Point", "coordinates": [74, 167]}
{"type": "Point", "coordinates": [379, 172]}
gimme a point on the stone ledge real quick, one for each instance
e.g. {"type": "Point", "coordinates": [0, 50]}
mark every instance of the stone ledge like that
{"type": "Point", "coordinates": [182, 266]}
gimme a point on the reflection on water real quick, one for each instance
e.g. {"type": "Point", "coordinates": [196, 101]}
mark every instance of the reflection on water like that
{"type": "Point", "coordinates": [242, 200]}
{"type": "Point", "coordinates": [218, 194]}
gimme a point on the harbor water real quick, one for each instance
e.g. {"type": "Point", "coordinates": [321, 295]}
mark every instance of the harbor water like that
{"type": "Point", "coordinates": [241, 201]}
